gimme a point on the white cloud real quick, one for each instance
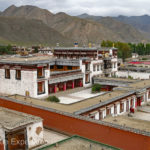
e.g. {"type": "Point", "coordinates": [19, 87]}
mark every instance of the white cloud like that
{"type": "Point", "coordinates": [94, 7]}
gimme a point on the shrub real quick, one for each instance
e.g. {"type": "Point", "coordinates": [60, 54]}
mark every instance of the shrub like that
{"type": "Point", "coordinates": [144, 58]}
{"type": "Point", "coordinates": [53, 99]}
{"type": "Point", "coordinates": [129, 77]}
{"type": "Point", "coordinates": [96, 88]}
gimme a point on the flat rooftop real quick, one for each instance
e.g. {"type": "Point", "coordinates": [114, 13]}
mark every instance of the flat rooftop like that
{"type": "Point", "coordinates": [117, 79]}
{"type": "Point", "coordinates": [10, 119]}
{"type": "Point", "coordinates": [114, 81]}
{"type": "Point", "coordinates": [138, 120]}
{"type": "Point", "coordinates": [78, 143]}
{"type": "Point", "coordinates": [140, 84]}
{"type": "Point", "coordinates": [36, 59]}
{"type": "Point", "coordinates": [85, 48]}
{"type": "Point", "coordinates": [71, 108]}
{"type": "Point", "coordinates": [26, 59]}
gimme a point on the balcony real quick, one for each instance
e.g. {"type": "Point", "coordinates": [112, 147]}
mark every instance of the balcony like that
{"type": "Point", "coordinates": [62, 76]}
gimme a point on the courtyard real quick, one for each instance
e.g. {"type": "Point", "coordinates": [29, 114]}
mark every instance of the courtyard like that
{"type": "Point", "coordinates": [77, 96]}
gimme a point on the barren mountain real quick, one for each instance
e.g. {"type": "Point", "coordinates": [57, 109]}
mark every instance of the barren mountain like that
{"type": "Point", "coordinates": [30, 12]}
{"type": "Point", "coordinates": [77, 29]}
{"type": "Point", "coordinates": [25, 31]}
{"type": "Point", "coordinates": [141, 23]}
{"type": "Point", "coordinates": [81, 30]}
{"type": "Point", "coordinates": [125, 31]}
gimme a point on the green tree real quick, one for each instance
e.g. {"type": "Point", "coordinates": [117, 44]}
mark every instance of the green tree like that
{"type": "Point", "coordinates": [53, 99]}
{"type": "Point", "coordinates": [36, 50]}
{"type": "Point", "coordinates": [96, 88]}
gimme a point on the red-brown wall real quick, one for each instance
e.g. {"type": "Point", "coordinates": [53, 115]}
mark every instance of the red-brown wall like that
{"type": "Point", "coordinates": [92, 130]}
{"type": "Point", "coordinates": [1, 145]}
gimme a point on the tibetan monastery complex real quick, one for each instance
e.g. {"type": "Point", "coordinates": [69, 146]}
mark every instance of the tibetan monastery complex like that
{"type": "Point", "coordinates": [117, 115]}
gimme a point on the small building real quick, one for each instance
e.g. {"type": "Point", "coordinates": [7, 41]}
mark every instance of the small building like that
{"type": "Point", "coordinates": [46, 50]}
{"type": "Point", "coordinates": [135, 55]}
{"type": "Point", "coordinates": [19, 130]}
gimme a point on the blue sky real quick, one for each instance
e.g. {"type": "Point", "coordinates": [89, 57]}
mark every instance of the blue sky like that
{"type": "Point", "coordinates": [93, 7]}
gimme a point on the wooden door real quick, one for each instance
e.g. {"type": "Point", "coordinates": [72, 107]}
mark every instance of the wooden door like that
{"type": "Point", "coordinates": [16, 141]}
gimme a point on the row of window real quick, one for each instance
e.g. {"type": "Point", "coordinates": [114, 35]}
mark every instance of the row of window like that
{"type": "Point", "coordinates": [98, 67]}
{"type": "Point", "coordinates": [8, 76]}
{"type": "Point", "coordinates": [61, 67]}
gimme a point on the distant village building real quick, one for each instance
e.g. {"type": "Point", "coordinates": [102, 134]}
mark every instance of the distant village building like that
{"type": "Point", "coordinates": [46, 50]}
{"type": "Point", "coordinates": [135, 70]}
{"type": "Point", "coordinates": [135, 55]}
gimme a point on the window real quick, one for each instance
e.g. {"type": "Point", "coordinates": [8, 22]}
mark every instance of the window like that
{"type": "Point", "coordinates": [87, 67]}
{"type": "Point", "coordinates": [108, 111]}
{"type": "Point", "coordinates": [59, 67]}
{"type": "Point", "coordinates": [94, 67]}
{"type": "Point", "coordinates": [18, 74]}
{"type": "Point", "coordinates": [131, 102]}
{"type": "Point", "coordinates": [97, 67]}
{"type": "Point", "coordinates": [51, 67]}
{"type": "Point", "coordinates": [121, 107]}
{"type": "Point", "coordinates": [40, 72]}
{"type": "Point", "coordinates": [87, 78]}
{"type": "Point", "coordinates": [41, 88]}
{"type": "Point", "coordinates": [7, 73]}
{"type": "Point", "coordinates": [69, 67]}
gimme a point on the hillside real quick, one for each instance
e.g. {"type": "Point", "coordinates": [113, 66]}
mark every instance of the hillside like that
{"type": "Point", "coordinates": [78, 29]}
{"type": "Point", "coordinates": [140, 22]}
{"type": "Point", "coordinates": [25, 31]}
{"type": "Point", "coordinates": [82, 30]}
{"type": "Point", "coordinates": [125, 31]}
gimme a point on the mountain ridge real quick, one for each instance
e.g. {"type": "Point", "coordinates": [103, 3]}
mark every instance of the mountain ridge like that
{"type": "Point", "coordinates": [82, 30]}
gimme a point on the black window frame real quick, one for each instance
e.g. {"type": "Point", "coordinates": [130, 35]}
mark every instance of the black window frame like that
{"type": "Point", "coordinates": [18, 78]}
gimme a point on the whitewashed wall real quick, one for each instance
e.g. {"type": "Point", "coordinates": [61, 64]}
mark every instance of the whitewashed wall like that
{"type": "Point", "coordinates": [28, 82]}
{"type": "Point", "coordinates": [134, 75]}
{"type": "Point", "coordinates": [13, 86]}
{"type": "Point", "coordinates": [93, 73]}
{"type": "Point", "coordinates": [97, 116]}
{"type": "Point", "coordinates": [33, 138]}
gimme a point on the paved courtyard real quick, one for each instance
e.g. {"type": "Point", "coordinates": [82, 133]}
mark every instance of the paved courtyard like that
{"type": "Point", "coordinates": [70, 98]}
